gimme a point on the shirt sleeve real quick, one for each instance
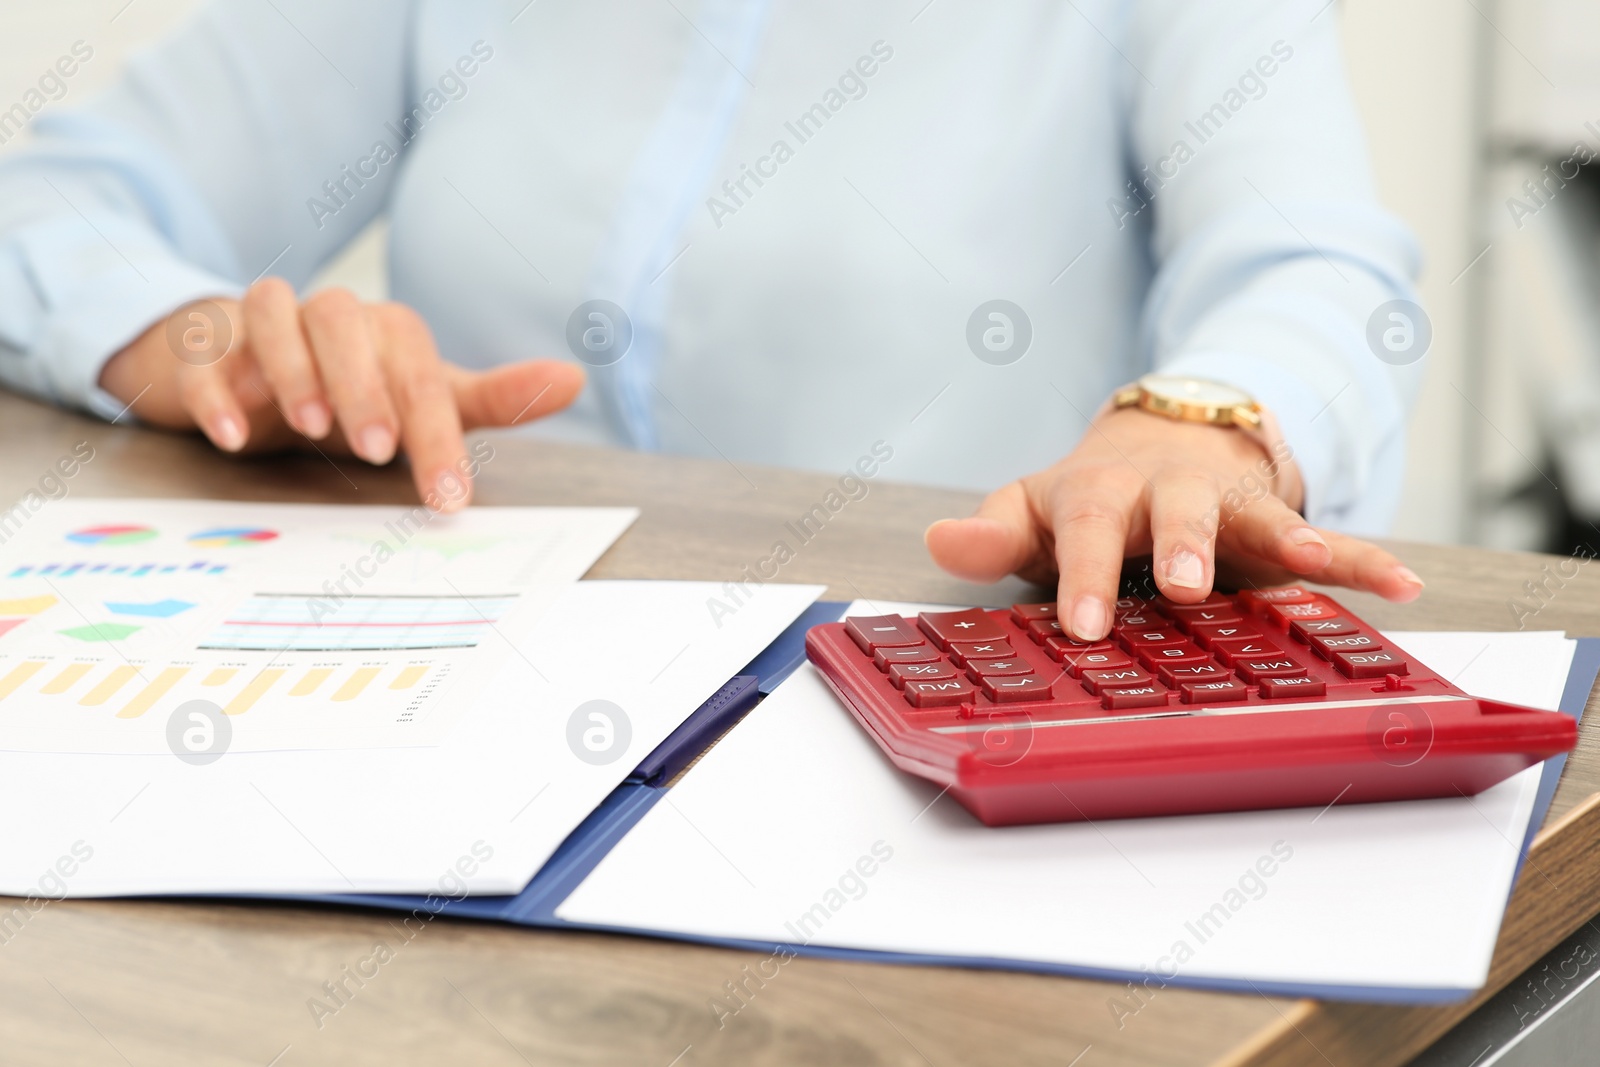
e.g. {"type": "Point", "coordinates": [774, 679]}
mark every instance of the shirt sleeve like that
{"type": "Point", "coordinates": [196, 172]}
{"type": "Point", "coordinates": [1251, 179]}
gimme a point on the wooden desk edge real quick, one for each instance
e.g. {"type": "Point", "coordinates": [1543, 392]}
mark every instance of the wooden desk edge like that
{"type": "Point", "coordinates": [1556, 893]}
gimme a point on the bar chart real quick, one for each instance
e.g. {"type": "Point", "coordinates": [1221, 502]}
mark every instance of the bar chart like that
{"type": "Point", "coordinates": [50, 704]}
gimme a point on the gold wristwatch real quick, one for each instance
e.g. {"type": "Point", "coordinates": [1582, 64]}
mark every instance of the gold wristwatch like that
{"type": "Point", "coordinates": [1191, 400]}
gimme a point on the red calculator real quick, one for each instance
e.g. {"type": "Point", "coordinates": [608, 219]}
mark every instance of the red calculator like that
{"type": "Point", "coordinates": [1276, 698]}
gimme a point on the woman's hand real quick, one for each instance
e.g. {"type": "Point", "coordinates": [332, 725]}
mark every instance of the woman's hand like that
{"type": "Point", "coordinates": [1193, 496]}
{"type": "Point", "coordinates": [269, 372]}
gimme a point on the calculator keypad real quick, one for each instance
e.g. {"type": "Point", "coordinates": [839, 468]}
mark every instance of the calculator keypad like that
{"type": "Point", "coordinates": [1272, 645]}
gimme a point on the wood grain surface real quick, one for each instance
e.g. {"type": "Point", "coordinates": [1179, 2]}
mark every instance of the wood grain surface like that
{"type": "Point", "coordinates": [195, 982]}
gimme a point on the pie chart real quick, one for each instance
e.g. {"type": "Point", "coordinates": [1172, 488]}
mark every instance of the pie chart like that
{"type": "Point", "coordinates": [111, 535]}
{"type": "Point", "coordinates": [229, 536]}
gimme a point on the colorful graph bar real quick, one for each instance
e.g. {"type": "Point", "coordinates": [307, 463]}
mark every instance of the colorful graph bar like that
{"type": "Point", "coordinates": [69, 677]}
{"type": "Point", "coordinates": [108, 686]}
{"type": "Point", "coordinates": [309, 683]}
{"type": "Point", "coordinates": [152, 693]}
{"type": "Point", "coordinates": [68, 570]}
{"type": "Point", "coordinates": [408, 677]}
{"type": "Point", "coordinates": [32, 605]}
{"type": "Point", "coordinates": [17, 675]}
{"type": "Point", "coordinates": [357, 682]}
{"type": "Point", "coordinates": [254, 691]}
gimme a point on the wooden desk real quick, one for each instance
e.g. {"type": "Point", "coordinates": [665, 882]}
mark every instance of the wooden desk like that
{"type": "Point", "coordinates": [90, 982]}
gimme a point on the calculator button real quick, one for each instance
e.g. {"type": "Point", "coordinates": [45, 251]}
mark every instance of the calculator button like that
{"type": "Point", "coordinates": [1188, 616]}
{"type": "Point", "coordinates": [1004, 690]}
{"type": "Point", "coordinates": [1177, 674]}
{"type": "Point", "coordinates": [1139, 696]}
{"type": "Point", "coordinates": [1305, 629]}
{"type": "Point", "coordinates": [1212, 600]}
{"type": "Point", "coordinates": [1293, 687]}
{"type": "Point", "coordinates": [1206, 634]}
{"type": "Point", "coordinates": [973, 624]}
{"type": "Point", "coordinates": [1137, 620]}
{"type": "Point", "coordinates": [1358, 642]}
{"type": "Point", "coordinates": [1231, 652]}
{"type": "Point", "coordinates": [1157, 656]}
{"type": "Point", "coordinates": [1258, 600]}
{"type": "Point", "coordinates": [1041, 630]}
{"type": "Point", "coordinates": [964, 652]}
{"type": "Point", "coordinates": [884, 658]}
{"type": "Point", "coordinates": [1064, 649]}
{"type": "Point", "coordinates": [1254, 670]}
{"type": "Point", "coordinates": [1150, 638]}
{"type": "Point", "coordinates": [940, 694]}
{"type": "Point", "coordinates": [1214, 692]}
{"type": "Point", "coordinates": [1023, 614]}
{"type": "Point", "coordinates": [1116, 678]}
{"type": "Point", "coordinates": [1110, 659]}
{"type": "Point", "coordinates": [1288, 614]}
{"type": "Point", "coordinates": [880, 631]}
{"type": "Point", "coordinates": [1369, 664]}
{"type": "Point", "coordinates": [986, 668]}
{"type": "Point", "coordinates": [901, 673]}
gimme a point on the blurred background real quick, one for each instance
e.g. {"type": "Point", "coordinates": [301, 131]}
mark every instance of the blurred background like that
{"type": "Point", "coordinates": [1484, 124]}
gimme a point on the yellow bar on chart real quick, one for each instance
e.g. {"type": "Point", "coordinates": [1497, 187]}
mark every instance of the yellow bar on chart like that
{"type": "Point", "coordinates": [17, 675]}
{"type": "Point", "coordinates": [32, 605]}
{"type": "Point", "coordinates": [220, 676]}
{"type": "Point", "coordinates": [253, 692]}
{"type": "Point", "coordinates": [69, 676]}
{"type": "Point", "coordinates": [152, 693]}
{"type": "Point", "coordinates": [313, 678]}
{"type": "Point", "coordinates": [408, 677]}
{"type": "Point", "coordinates": [108, 686]}
{"type": "Point", "coordinates": [356, 683]}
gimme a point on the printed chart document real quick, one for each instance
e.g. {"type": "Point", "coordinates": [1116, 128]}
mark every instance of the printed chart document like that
{"type": "Point", "coordinates": [796, 829]}
{"type": "Point", "coordinates": [309, 626]}
{"type": "Point", "coordinates": [594, 684]}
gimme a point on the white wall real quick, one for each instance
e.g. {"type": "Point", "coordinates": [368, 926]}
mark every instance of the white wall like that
{"type": "Point", "coordinates": [1414, 69]}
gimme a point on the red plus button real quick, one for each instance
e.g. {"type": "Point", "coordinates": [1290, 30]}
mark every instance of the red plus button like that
{"type": "Point", "coordinates": [973, 624]}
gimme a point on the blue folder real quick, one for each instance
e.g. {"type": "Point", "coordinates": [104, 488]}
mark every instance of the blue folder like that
{"type": "Point", "coordinates": [609, 823]}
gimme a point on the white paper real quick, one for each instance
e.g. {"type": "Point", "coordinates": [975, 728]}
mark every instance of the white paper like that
{"type": "Point", "coordinates": [306, 626]}
{"type": "Point", "coordinates": [770, 838]}
{"type": "Point", "coordinates": [483, 810]}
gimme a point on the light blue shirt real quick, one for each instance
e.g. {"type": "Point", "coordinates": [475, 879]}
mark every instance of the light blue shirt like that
{"type": "Point", "coordinates": [803, 207]}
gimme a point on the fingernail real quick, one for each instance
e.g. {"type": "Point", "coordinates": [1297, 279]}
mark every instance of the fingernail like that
{"type": "Point", "coordinates": [227, 433]}
{"type": "Point", "coordinates": [313, 418]}
{"type": "Point", "coordinates": [376, 444]}
{"type": "Point", "coordinates": [1305, 535]}
{"type": "Point", "coordinates": [1408, 575]}
{"type": "Point", "coordinates": [1185, 570]}
{"type": "Point", "coordinates": [451, 490]}
{"type": "Point", "coordinates": [1088, 619]}
{"type": "Point", "coordinates": [932, 527]}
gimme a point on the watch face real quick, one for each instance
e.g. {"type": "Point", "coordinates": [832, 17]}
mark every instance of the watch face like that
{"type": "Point", "coordinates": [1183, 390]}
